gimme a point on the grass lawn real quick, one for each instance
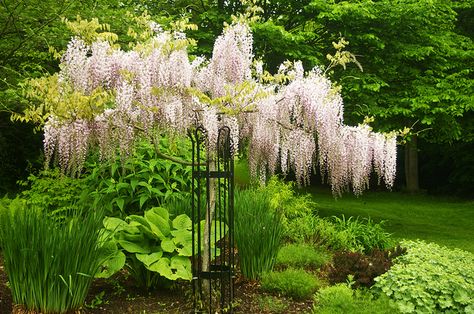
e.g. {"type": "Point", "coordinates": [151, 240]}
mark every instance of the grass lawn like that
{"type": "Point", "coordinates": [446, 221]}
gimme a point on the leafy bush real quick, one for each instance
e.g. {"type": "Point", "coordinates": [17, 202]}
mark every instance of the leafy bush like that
{"type": "Point", "coordinates": [258, 231]}
{"type": "Point", "coordinates": [157, 248]}
{"type": "Point", "coordinates": [302, 255]}
{"type": "Point", "coordinates": [143, 181]}
{"type": "Point", "coordinates": [295, 283]}
{"type": "Point", "coordinates": [54, 193]}
{"type": "Point", "coordinates": [342, 299]}
{"type": "Point", "coordinates": [357, 235]}
{"type": "Point", "coordinates": [430, 278]}
{"type": "Point", "coordinates": [363, 268]}
{"type": "Point", "coordinates": [297, 210]}
{"type": "Point", "coordinates": [50, 267]}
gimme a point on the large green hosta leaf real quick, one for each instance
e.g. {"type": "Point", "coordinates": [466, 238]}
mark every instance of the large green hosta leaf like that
{"type": "Point", "coordinates": [112, 265]}
{"type": "Point", "coordinates": [168, 245]}
{"type": "Point", "coordinates": [182, 267]}
{"type": "Point", "coordinates": [132, 247]}
{"type": "Point", "coordinates": [182, 222]}
{"type": "Point", "coordinates": [158, 218]}
{"type": "Point", "coordinates": [149, 259]}
{"type": "Point", "coordinates": [114, 224]}
{"type": "Point", "coordinates": [178, 267]}
{"type": "Point", "coordinates": [183, 241]}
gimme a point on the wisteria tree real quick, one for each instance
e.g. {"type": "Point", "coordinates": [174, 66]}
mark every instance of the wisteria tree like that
{"type": "Point", "coordinates": [106, 97]}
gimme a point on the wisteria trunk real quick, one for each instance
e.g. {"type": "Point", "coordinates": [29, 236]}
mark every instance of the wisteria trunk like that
{"type": "Point", "coordinates": [210, 211]}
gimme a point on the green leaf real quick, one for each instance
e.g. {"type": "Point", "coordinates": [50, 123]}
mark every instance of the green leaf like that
{"type": "Point", "coordinates": [143, 199]}
{"type": "Point", "coordinates": [168, 245]}
{"type": "Point", "coordinates": [462, 296]}
{"type": "Point", "coordinates": [149, 259]}
{"type": "Point", "coordinates": [182, 222]}
{"type": "Point", "coordinates": [158, 218]}
{"type": "Point", "coordinates": [163, 268]}
{"type": "Point", "coordinates": [143, 226]}
{"type": "Point", "coordinates": [111, 265]}
{"type": "Point", "coordinates": [183, 241]}
{"type": "Point", "coordinates": [133, 184]}
{"type": "Point", "coordinates": [120, 202]}
{"type": "Point", "coordinates": [122, 185]}
{"type": "Point", "coordinates": [114, 224]}
{"type": "Point", "coordinates": [145, 184]}
{"type": "Point", "coordinates": [134, 247]}
{"type": "Point", "coordinates": [182, 267]}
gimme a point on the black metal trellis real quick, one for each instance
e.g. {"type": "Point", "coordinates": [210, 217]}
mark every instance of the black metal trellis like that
{"type": "Point", "coordinates": [213, 183]}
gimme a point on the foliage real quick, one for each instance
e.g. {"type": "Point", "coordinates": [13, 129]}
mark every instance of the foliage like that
{"type": "Point", "coordinates": [297, 211]}
{"type": "Point", "coordinates": [430, 278]}
{"type": "Point", "coordinates": [66, 258]}
{"type": "Point", "coordinates": [425, 51]}
{"type": "Point", "coordinates": [341, 299]}
{"type": "Point", "coordinates": [417, 68]}
{"type": "Point", "coordinates": [302, 255]}
{"type": "Point", "coordinates": [364, 233]}
{"type": "Point", "coordinates": [295, 283]}
{"type": "Point", "coordinates": [54, 193]}
{"type": "Point", "coordinates": [360, 267]}
{"type": "Point", "coordinates": [326, 234]}
{"type": "Point", "coordinates": [356, 235]}
{"type": "Point", "coordinates": [142, 181]}
{"type": "Point", "coordinates": [258, 232]}
{"type": "Point", "coordinates": [155, 245]}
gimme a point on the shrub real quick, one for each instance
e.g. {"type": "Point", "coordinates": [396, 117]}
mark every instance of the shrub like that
{"type": "Point", "coordinates": [54, 193]}
{"type": "Point", "coordinates": [50, 267]}
{"type": "Point", "coordinates": [302, 255]}
{"type": "Point", "coordinates": [430, 278]}
{"type": "Point", "coordinates": [143, 181]}
{"type": "Point", "coordinates": [297, 210]}
{"type": "Point", "coordinates": [258, 232]}
{"type": "Point", "coordinates": [363, 268]}
{"type": "Point", "coordinates": [341, 299]}
{"type": "Point", "coordinates": [295, 283]}
{"type": "Point", "coordinates": [356, 235]}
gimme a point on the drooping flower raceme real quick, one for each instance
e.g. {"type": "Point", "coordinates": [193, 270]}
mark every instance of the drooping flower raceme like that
{"type": "Point", "coordinates": [290, 125]}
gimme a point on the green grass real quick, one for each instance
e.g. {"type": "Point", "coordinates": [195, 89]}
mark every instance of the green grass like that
{"type": "Point", "coordinates": [446, 221]}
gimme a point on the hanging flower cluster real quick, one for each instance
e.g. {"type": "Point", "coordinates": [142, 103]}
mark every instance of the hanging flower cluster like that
{"type": "Point", "coordinates": [292, 121]}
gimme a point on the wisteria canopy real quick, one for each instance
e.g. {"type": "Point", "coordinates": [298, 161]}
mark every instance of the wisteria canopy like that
{"type": "Point", "coordinates": [290, 120]}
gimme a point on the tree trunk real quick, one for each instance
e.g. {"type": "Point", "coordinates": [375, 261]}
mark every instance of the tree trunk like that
{"type": "Point", "coordinates": [411, 165]}
{"type": "Point", "coordinates": [206, 253]}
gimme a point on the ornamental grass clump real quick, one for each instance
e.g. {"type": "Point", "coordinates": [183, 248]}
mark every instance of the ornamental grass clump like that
{"type": "Point", "coordinates": [258, 232]}
{"type": "Point", "coordinates": [50, 267]}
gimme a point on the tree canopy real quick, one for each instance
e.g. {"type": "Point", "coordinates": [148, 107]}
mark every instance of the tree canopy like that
{"type": "Point", "coordinates": [293, 119]}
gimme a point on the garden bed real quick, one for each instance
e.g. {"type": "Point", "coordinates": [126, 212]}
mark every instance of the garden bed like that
{"type": "Point", "coordinates": [119, 295]}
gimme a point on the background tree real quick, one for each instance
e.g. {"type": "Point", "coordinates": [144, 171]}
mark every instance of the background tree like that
{"type": "Point", "coordinates": [418, 67]}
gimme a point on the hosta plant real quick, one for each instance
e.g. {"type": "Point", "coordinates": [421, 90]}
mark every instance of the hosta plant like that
{"type": "Point", "coordinates": [158, 248]}
{"type": "Point", "coordinates": [153, 241]}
